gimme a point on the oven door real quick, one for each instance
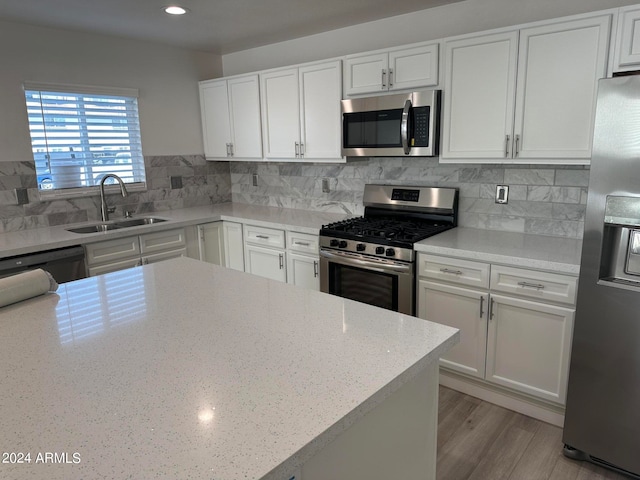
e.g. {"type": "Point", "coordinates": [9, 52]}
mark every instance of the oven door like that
{"type": "Point", "coordinates": [381, 282]}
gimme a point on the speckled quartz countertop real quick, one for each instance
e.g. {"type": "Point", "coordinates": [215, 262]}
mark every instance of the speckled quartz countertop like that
{"type": "Point", "coordinates": [187, 370]}
{"type": "Point", "coordinates": [561, 255]}
{"type": "Point", "coordinates": [28, 241]}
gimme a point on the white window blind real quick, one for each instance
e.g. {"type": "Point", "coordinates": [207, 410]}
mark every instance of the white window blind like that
{"type": "Point", "coordinates": [79, 134]}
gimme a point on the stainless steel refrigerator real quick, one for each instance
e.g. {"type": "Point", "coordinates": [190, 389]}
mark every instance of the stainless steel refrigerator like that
{"type": "Point", "coordinates": [602, 421]}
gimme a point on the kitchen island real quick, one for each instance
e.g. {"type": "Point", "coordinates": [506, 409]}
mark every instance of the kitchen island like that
{"type": "Point", "coordinates": [183, 369]}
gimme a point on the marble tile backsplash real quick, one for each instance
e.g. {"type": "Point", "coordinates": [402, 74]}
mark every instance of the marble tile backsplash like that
{"type": "Point", "coordinates": [198, 182]}
{"type": "Point", "coordinates": [544, 199]}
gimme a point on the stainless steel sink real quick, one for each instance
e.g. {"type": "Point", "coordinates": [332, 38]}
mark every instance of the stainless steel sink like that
{"type": "Point", "coordinates": [118, 224]}
{"type": "Point", "coordinates": [134, 222]}
{"type": "Point", "coordinates": [100, 227]}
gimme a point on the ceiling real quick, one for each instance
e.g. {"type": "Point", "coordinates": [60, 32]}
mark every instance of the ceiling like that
{"type": "Point", "coordinates": [217, 26]}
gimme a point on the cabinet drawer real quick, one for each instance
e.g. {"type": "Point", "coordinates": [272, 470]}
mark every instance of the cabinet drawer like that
{"type": "Point", "coordinates": [112, 250]}
{"type": "Point", "coordinates": [303, 242]}
{"type": "Point", "coordinates": [160, 241]}
{"type": "Point", "coordinates": [267, 237]}
{"type": "Point", "coordinates": [452, 270]}
{"type": "Point", "coordinates": [533, 284]}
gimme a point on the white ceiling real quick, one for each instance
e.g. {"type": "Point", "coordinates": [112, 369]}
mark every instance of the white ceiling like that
{"type": "Point", "coordinates": [218, 26]}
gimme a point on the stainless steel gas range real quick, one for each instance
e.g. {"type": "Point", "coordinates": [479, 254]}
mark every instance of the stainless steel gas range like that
{"type": "Point", "coordinates": [370, 258]}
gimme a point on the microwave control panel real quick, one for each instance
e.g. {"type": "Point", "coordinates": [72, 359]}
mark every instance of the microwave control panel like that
{"type": "Point", "coordinates": [420, 127]}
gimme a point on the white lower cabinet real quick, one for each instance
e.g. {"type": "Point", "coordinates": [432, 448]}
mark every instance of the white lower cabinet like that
{"type": "Point", "coordinates": [529, 347]}
{"type": "Point", "coordinates": [303, 261]}
{"type": "Point", "coordinates": [221, 243]}
{"type": "Point", "coordinates": [464, 309]}
{"type": "Point", "coordinates": [515, 324]}
{"type": "Point", "coordinates": [281, 255]}
{"type": "Point", "coordinates": [127, 252]}
{"type": "Point", "coordinates": [264, 252]}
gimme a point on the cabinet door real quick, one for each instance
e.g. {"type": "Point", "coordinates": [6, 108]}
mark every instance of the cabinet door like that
{"type": "Point", "coordinates": [214, 110]}
{"type": "Point", "coordinates": [302, 270]}
{"type": "Point", "coordinates": [233, 245]}
{"type": "Point", "coordinates": [529, 347]}
{"type": "Point", "coordinates": [113, 250]}
{"type": "Point", "coordinates": [413, 67]}
{"type": "Point", "coordinates": [280, 113]}
{"type": "Point", "coordinates": [114, 266]}
{"type": "Point", "coordinates": [164, 240]}
{"type": "Point", "coordinates": [366, 74]}
{"type": "Point", "coordinates": [627, 56]}
{"type": "Point", "coordinates": [461, 308]}
{"type": "Point", "coordinates": [479, 91]}
{"type": "Point", "coordinates": [244, 114]}
{"type": "Point", "coordinates": [265, 262]}
{"type": "Point", "coordinates": [211, 243]}
{"type": "Point", "coordinates": [320, 116]}
{"type": "Point", "coordinates": [558, 72]}
{"type": "Point", "coordinates": [159, 257]}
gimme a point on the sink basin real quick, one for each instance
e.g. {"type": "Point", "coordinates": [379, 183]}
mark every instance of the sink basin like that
{"type": "Point", "coordinates": [134, 222]}
{"type": "Point", "coordinates": [105, 227]}
{"type": "Point", "coordinates": [100, 227]}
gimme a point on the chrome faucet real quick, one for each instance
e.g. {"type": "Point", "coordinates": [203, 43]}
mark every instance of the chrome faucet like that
{"type": "Point", "coordinates": [103, 201]}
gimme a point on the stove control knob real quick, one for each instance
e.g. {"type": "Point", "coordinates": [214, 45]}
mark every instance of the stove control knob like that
{"type": "Point", "coordinates": [333, 243]}
{"type": "Point", "coordinates": [379, 250]}
{"type": "Point", "coordinates": [390, 252]}
{"type": "Point", "coordinates": [361, 247]}
{"type": "Point", "coordinates": [343, 244]}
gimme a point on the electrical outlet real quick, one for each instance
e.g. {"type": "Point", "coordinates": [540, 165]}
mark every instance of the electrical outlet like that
{"type": "Point", "coordinates": [325, 185]}
{"type": "Point", "coordinates": [176, 182]}
{"type": "Point", "coordinates": [22, 196]}
{"type": "Point", "coordinates": [502, 194]}
{"type": "Point", "coordinates": [255, 179]}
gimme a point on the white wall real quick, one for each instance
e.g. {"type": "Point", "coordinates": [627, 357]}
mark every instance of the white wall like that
{"type": "Point", "coordinates": [464, 17]}
{"type": "Point", "coordinates": [166, 78]}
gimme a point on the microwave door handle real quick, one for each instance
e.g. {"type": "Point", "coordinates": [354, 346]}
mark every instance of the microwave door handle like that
{"type": "Point", "coordinates": [404, 127]}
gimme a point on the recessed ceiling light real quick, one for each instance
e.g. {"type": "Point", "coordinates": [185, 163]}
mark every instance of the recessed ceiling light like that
{"type": "Point", "coordinates": [175, 10]}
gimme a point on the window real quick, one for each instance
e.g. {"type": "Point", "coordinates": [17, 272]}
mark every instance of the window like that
{"type": "Point", "coordinates": [80, 134]}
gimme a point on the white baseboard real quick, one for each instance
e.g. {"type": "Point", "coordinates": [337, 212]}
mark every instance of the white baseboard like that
{"type": "Point", "coordinates": [546, 413]}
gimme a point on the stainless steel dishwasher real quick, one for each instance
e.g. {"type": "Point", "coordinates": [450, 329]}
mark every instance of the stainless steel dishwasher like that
{"type": "Point", "coordinates": [64, 264]}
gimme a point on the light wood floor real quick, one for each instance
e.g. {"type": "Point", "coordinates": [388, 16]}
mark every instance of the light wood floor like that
{"type": "Point", "coordinates": [481, 441]}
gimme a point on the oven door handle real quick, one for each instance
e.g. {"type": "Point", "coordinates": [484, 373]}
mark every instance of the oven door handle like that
{"type": "Point", "coordinates": [363, 262]}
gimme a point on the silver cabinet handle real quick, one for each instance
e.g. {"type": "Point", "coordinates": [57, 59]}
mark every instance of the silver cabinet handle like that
{"type": "Point", "coordinates": [384, 79]}
{"type": "Point", "coordinates": [481, 306]}
{"type": "Point", "coordinates": [231, 149]}
{"type": "Point", "coordinates": [453, 272]}
{"type": "Point", "coordinates": [390, 77]}
{"type": "Point", "coordinates": [228, 149]}
{"type": "Point", "coordinates": [263, 237]}
{"type": "Point", "coordinates": [315, 269]}
{"type": "Point", "coordinates": [297, 149]}
{"type": "Point", "coordinates": [304, 244]}
{"type": "Point", "coordinates": [537, 286]}
{"type": "Point", "coordinates": [517, 145]}
{"type": "Point", "coordinates": [404, 127]}
{"type": "Point", "coordinates": [301, 149]}
{"type": "Point", "coordinates": [281, 256]}
{"type": "Point", "coordinates": [506, 146]}
{"type": "Point", "coordinates": [491, 309]}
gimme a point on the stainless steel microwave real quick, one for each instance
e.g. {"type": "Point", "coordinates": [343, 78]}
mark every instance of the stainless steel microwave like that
{"type": "Point", "coordinates": [405, 124]}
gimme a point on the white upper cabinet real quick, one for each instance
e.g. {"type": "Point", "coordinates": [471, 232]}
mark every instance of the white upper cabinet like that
{"type": "Point", "coordinates": [551, 71]}
{"type": "Point", "coordinates": [390, 70]}
{"type": "Point", "coordinates": [479, 96]}
{"type": "Point", "coordinates": [301, 112]}
{"type": "Point", "coordinates": [627, 46]}
{"type": "Point", "coordinates": [230, 110]}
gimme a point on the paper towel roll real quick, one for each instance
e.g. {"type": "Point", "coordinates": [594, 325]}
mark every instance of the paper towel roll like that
{"type": "Point", "coordinates": [25, 285]}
